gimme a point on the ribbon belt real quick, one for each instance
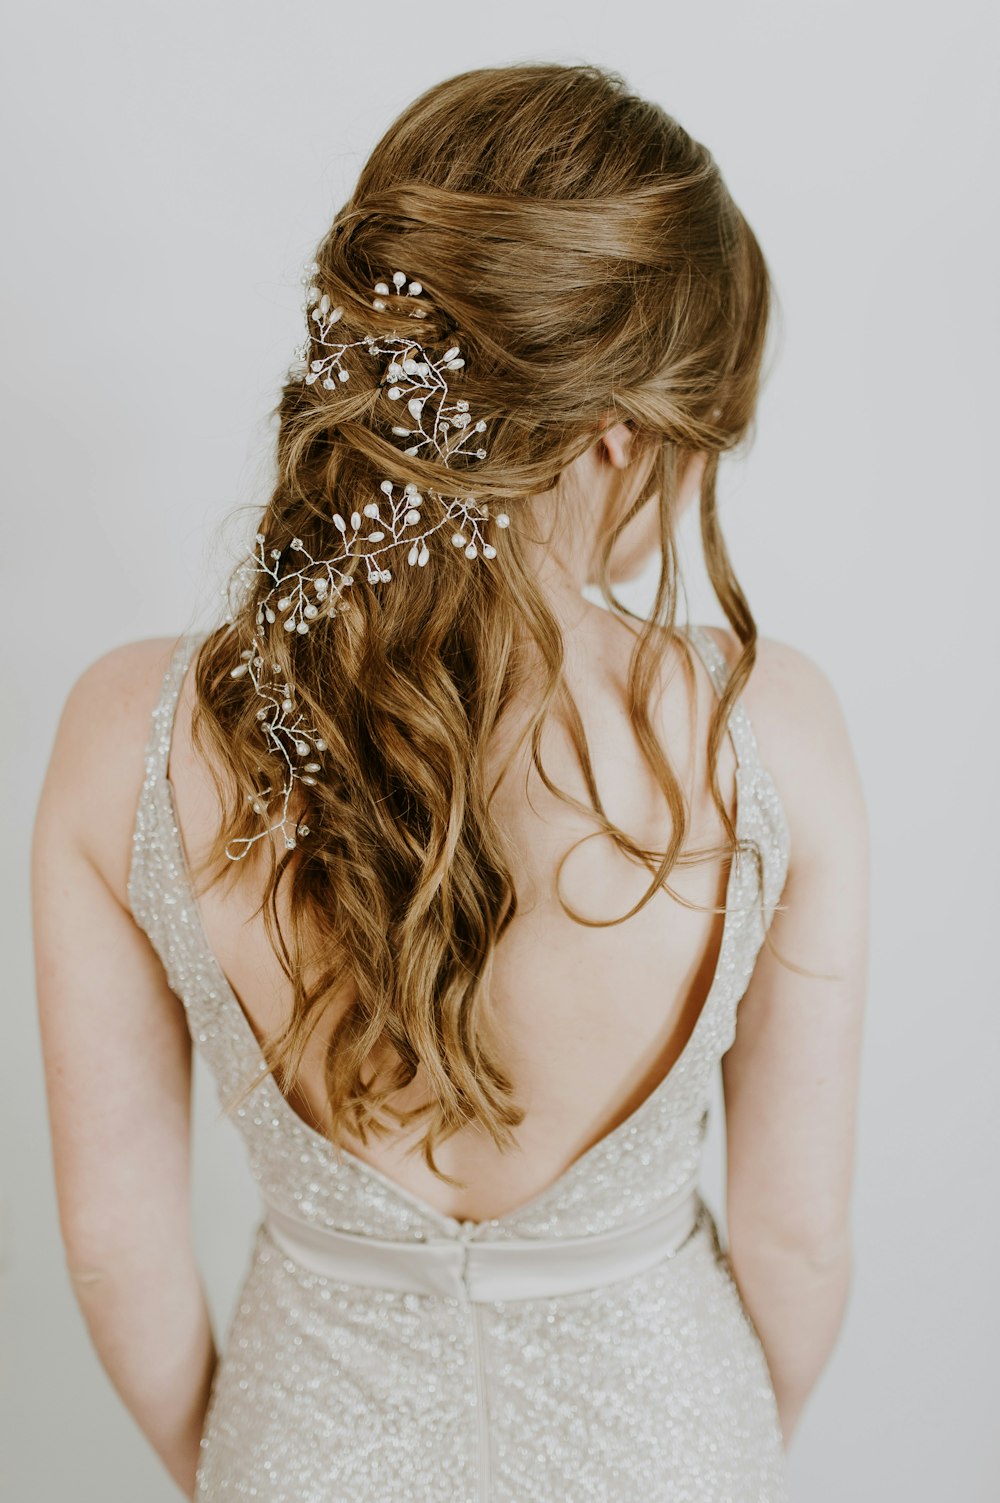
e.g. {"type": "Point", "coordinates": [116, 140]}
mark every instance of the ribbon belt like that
{"type": "Point", "coordinates": [508, 1269]}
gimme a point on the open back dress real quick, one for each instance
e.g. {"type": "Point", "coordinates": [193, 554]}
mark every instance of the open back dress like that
{"type": "Point", "coordinates": [590, 1346]}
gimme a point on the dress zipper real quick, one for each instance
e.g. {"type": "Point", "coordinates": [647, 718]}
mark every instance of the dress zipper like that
{"type": "Point", "coordinates": [466, 1232]}
{"type": "Point", "coordinates": [483, 1416]}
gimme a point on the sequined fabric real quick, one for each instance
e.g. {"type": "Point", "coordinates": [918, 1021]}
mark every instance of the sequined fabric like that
{"type": "Point", "coordinates": [651, 1387]}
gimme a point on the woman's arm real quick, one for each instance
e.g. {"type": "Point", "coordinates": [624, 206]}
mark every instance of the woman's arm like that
{"type": "Point", "coordinates": [118, 1068]}
{"type": "Point", "coordinates": [790, 1079]}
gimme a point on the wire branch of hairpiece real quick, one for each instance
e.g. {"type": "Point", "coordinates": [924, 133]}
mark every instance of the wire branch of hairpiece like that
{"type": "Point", "coordinates": [309, 590]}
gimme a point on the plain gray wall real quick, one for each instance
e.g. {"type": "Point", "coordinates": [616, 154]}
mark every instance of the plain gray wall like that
{"type": "Point", "coordinates": [170, 167]}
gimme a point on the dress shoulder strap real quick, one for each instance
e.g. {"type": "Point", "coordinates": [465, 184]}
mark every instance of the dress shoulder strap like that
{"type": "Point", "coordinates": [161, 728]}
{"type": "Point", "coordinates": [152, 858]}
{"type": "Point", "coordinates": [740, 730]}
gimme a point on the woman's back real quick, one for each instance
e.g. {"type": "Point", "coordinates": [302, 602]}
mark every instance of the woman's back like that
{"type": "Point", "coordinates": [461, 1342]}
{"type": "Point", "coordinates": [592, 1018]}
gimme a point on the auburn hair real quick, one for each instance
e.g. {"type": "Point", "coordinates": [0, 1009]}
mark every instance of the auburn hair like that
{"type": "Point", "coordinates": [590, 257]}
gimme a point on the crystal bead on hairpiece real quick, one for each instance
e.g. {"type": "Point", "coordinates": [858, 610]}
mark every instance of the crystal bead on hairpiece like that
{"type": "Point", "coordinates": [310, 590]}
{"type": "Point", "coordinates": [435, 420]}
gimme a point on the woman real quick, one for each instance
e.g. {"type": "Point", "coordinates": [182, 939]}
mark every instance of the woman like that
{"type": "Point", "coordinates": [344, 842]}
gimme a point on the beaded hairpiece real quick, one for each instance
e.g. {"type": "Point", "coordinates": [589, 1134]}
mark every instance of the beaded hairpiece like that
{"type": "Point", "coordinates": [309, 590]}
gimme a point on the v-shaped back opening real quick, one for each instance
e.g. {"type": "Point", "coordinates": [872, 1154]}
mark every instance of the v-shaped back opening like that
{"type": "Point", "coordinates": [158, 761]}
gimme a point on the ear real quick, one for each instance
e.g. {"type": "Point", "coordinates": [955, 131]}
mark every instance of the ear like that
{"type": "Point", "coordinates": [617, 444]}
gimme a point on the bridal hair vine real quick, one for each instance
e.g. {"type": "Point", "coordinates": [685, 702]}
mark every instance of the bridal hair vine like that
{"type": "Point", "coordinates": [308, 590]}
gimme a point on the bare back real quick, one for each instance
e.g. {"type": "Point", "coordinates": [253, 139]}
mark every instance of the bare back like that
{"type": "Point", "coordinates": [594, 1018]}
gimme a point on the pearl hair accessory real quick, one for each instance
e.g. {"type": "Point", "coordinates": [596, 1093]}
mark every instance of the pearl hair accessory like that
{"type": "Point", "coordinates": [308, 590]}
{"type": "Point", "coordinates": [412, 373]}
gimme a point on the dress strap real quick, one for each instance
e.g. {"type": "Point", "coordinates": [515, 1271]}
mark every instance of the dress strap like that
{"type": "Point", "coordinates": [740, 730]}
{"type": "Point", "coordinates": [150, 858]}
{"type": "Point", "coordinates": [158, 745]}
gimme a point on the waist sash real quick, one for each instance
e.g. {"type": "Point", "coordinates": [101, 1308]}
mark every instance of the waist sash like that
{"type": "Point", "coordinates": [509, 1269]}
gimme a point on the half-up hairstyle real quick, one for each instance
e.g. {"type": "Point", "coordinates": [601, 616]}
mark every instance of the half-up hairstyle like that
{"type": "Point", "coordinates": [590, 258]}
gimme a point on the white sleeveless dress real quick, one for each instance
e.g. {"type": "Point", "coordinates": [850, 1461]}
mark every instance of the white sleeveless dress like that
{"type": "Point", "coordinates": [591, 1345]}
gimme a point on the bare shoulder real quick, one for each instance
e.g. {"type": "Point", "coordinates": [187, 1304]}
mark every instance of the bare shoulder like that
{"type": "Point", "coordinates": [805, 743]}
{"type": "Point", "coordinates": [95, 768]}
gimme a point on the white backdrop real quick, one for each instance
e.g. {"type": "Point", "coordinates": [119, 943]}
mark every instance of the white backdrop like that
{"type": "Point", "coordinates": [169, 168]}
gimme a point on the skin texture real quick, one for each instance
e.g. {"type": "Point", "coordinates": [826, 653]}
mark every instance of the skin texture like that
{"type": "Point", "coordinates": [117, 1053]}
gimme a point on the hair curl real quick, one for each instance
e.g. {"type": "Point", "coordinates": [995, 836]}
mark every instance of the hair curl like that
{"type": "Point", "coordinates": [588, 253]}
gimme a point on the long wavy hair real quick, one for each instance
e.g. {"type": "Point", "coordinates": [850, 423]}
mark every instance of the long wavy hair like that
{"type": "Point", "coordinates": [598, 270]}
